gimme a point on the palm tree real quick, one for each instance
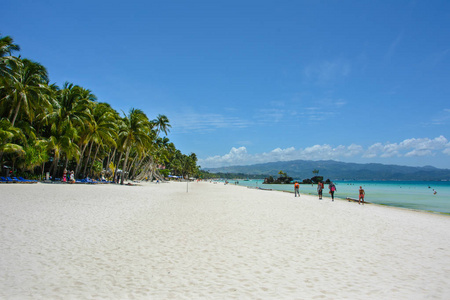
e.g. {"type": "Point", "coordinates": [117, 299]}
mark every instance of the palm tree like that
{"type": "Point", "coordinates": [38, 120]}
{"type": "Point", "coordinates": [103, 130]}
{"type": "Point", "coordinates": [69, 116]}
{"type": "Point", "coordinates": [24, 89]}
{"type": "Point", "coordinates": [135, 132]}
{"type": "Point", "coordinates": [7, 46]}
{"type": "Point", "coordinates": [36, 155]}
{"type": "Point", "coordinates": [8, 134]}
{"type": "Point", "coordinates": [162, 124]}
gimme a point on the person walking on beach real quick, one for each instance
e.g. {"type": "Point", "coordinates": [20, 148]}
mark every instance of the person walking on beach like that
{"type": "Point", "coordinates": [319, 190]}
{"type": "Point", "coordinates": [361, 195]}
{"type": "Point", "coordinates": [297, 189]}
{"type": "Point", "coordinates": [332, 188]}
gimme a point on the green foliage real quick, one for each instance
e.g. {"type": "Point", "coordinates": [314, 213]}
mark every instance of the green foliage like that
{"type": "Point", "coordinates": [58, 128]}
{"type": "Point", "coordinates": [97, 168]}
{"type": "Point", "coordinates": [35, 155]}
{"type": "Point", "coordinates": [317, 179]}
{"type": "Point", "coordinates": [165, 172]}
{"type": "Point", "coordinates": [283, 179]}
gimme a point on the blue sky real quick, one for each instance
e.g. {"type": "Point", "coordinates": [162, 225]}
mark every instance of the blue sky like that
{"type": "Point", "coordinates": [247, 82]}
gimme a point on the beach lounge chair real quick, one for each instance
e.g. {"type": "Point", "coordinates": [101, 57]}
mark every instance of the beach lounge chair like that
{"type": "Point", "coordinates": [27, 180]}
{"type": "Point", "coordinates": [9, 179]}
{"type": "Point", "coordinates": [3, 179]}
{"type": "Point", "coordinates": [88, 180]}
{"type": "Point", "coordinates": [15, 179]}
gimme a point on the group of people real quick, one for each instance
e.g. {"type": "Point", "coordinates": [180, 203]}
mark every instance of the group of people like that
{"type": "Point", "coordinates": [71, 176]}
{"type": "Point", "coordinates": [331, 187]}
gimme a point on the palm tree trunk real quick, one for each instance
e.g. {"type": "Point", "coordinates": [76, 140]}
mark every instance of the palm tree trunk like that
{"type": "Point", "coordinates": [43, 169]}
{"type": "Point", "coordinates": [132, 167]}
{"type": "Point", "coordinates": [117, 167]}
{"type": "Point", "coordinates": [56, 161]}
{"type": "Point", "coordinates": [15, 114]}
{"type": "Point", "coordinates": [77, 169]}
{"type": "Point", "coordinates": [124, 165]}
{"type": "Point", "coordinates": [137, 165]}
{"type": "Point", "coordinates": [109, 157]}
{"type": "Point", "coordinates": [87, 159]}
{"type": "Point", "coordinates": [95, 157]}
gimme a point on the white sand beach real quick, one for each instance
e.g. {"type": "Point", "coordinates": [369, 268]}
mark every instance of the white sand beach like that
{"type": "Point", "coordinates": [156, 241]}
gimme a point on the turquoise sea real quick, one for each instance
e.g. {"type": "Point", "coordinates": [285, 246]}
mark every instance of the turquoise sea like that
{"type": "Point", "coordinates": [407, 194]}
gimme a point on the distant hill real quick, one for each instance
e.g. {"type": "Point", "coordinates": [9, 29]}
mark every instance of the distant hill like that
{"type": "Point", "coordinates": [334, 170]}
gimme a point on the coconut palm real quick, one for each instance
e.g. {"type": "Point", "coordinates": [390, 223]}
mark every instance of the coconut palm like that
{"type": "Point", "coordinates": [72, 108]}
{"type": "Point", "coordinates": [36, 155]}
{"type": "Point", "coordinates": [8, 134]}
{"type": "Point", "coordinates": [162, 124]}
{"type": "Point", "coordinates": [70, 116]}
{"type": "Point", "coordinates": [136, 132]}
{"type": "Point", "coordinates": [41, 122]}
{"type": "Point", "coordinates": [7, 46]}
{"type": "Point", "coordinates": [24, 89]}
{"type": "Point", "coordinates": [103, 128]}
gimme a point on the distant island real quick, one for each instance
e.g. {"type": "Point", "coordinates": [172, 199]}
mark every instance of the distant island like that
{"type": "Point", "coordinates": [334, 170]}
{"type": "Point", "coordinates": [283, 178]}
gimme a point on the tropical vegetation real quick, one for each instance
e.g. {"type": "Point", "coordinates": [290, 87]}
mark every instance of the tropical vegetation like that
{"type": "Point", "coordinates": [47, 128]}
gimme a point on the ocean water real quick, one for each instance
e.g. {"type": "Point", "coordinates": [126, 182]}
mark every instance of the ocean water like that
{"type": "Point", "coordinates": [407, 194]}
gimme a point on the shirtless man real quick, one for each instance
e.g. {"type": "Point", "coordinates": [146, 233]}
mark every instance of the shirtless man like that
{"type": "Point", "coordinates": [361, 195]}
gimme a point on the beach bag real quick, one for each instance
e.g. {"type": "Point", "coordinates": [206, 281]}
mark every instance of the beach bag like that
{"type": "Point", "coordinates": [333, 188]}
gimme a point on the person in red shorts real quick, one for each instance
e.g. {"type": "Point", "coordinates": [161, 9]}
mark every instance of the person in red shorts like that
{"type": "Point", "coordinates": [361, 195]}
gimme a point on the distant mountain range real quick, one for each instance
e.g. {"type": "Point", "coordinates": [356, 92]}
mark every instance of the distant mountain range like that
{"type": "Point", "coordinates": [334, 170]}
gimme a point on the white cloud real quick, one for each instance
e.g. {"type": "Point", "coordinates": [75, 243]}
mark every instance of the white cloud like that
{"type": "Point", "coordinates": [418, 152]}
{"type": "Point", "coordinates": [236, 156]}
{"type": "Point", "coordinates": [415, 147]}
{"type": "Point", "coordinates": [408, 148]}
{"type": "Point", "coordinates": [373, 150]}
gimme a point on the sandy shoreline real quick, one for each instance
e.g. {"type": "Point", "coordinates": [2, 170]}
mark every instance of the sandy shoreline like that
{"type": "Point", "coordinates": [215, 242]}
